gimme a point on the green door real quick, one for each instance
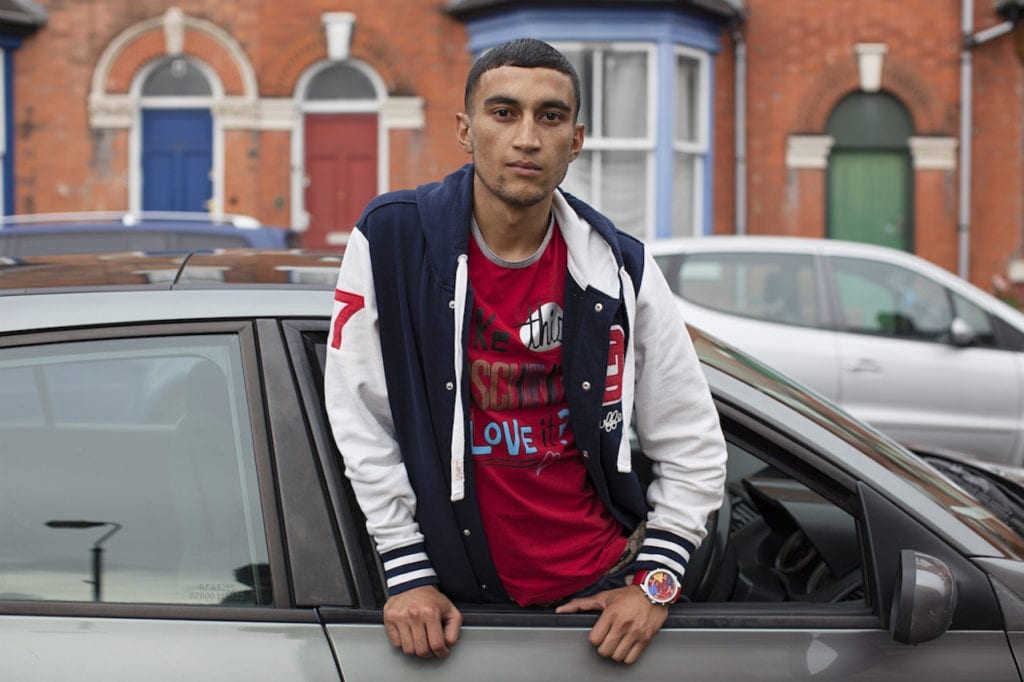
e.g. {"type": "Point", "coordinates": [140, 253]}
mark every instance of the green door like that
{"type": "Point", "coordinates": [868, 197]}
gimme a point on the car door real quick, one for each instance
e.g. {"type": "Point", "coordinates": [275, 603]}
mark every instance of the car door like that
{"type": "Point", "coordinates": [794, 582]}
{"type": "Point", "coordinates": [139, 515]}
{"type": "Point", "coordinates": [901, 372]}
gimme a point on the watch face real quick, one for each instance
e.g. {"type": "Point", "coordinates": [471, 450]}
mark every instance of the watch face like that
{"type": "Point", "coordinates": [661, 586]}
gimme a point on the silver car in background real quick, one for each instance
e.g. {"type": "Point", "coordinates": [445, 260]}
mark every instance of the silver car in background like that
{"type": "Point", "coordinates": [172, 507]}
{"type": "Point", "coordinates": [901, 343]}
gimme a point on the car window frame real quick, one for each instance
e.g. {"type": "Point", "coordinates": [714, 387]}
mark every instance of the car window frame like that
{"type": "Point", "coordinates": [837, 487]}
{"type": "Point", "coordinates": [779, 445]}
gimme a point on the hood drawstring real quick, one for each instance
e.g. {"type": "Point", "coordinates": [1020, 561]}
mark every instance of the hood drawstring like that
{"type": "Point", "coordinates": [459, 422]}
{"type": "Point", "coordinates": [624, 462]}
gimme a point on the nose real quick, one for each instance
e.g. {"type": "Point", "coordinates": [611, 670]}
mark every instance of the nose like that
{"type": "Point", "coordinates": [526, 134]}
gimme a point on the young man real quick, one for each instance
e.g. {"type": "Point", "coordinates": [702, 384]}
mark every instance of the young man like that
{"type": "Point", "coordinates": [490, 339]}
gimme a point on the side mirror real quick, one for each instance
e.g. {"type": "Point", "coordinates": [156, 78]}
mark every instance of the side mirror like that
{"type": "Point", "coordinates": [924, 600]}
{"type": "Point", "coordinates": [960, 333]}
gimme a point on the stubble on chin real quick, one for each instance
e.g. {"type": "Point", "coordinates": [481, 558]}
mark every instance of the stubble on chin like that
{"type": "Point", "coordinates": [526, 197]}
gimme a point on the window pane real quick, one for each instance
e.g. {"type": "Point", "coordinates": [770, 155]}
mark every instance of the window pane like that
{"type": "Point", "coordinates": [773, 287]}
{"type": "Point", "coordinates": [577, 180]}
{"type": "Point", "coordinates": [176, 78]}
{"type": "Point", "coordinates": [977, 318]}
{"type": "Point", "coordinates": [624, 97]}
{"type": "Point", "coordinates": [878, 298]}
{"type": "Point", "coordinates": [684, 199]}
{"type": "Point", "coordinates": [341, 82]}
{"type": "Point", "coordinates": [583, 61]}
{"type": "Point", "coordinates": [687, 96]}
{"type": "Point", "coordinates": [136, 452]}
{"type": "Point", "coordinates": [624, 190]}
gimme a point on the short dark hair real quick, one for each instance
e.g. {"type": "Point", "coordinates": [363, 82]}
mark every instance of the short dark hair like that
{"type": "Point", "coordinates": [527, 53]}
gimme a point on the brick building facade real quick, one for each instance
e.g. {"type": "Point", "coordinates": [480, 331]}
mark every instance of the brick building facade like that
{"type": "Point", "coordinates": [706, 116]}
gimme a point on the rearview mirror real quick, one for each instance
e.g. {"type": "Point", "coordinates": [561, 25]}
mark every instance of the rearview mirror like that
{"type": "Point", "coordinates": [924, 600]}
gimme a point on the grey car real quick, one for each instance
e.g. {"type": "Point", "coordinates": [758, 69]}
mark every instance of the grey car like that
{"type": "Point", "coordinates": [896, 340]}
{"type": "Point", "coordinates": [172, 507]}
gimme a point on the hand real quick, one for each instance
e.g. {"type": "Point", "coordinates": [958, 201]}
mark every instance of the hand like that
{"type": "Point", "coordinates": [422, 621]}
{"type": "Point", "coordinates": [627, 624]}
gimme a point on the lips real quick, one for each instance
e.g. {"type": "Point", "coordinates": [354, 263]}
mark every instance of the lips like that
{"type": "Point", "coordinates": [525, 167]}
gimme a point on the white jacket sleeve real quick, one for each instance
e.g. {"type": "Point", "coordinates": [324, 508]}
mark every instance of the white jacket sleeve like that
{"type": "Point", "coordinates": [357, 404]}
{"type": "Point", "coordinates": [676, 419]}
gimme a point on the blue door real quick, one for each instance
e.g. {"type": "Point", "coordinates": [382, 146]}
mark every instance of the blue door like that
{"type": "Point", "coordinates": [177, 159]}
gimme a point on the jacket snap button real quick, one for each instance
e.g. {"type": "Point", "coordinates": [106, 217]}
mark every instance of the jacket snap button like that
{"type": "Point", "coordinates": [451, 304]}
{"type": "Point", "coordinates": [465, 531]}
{"type": "Point", "coordinates": [450, 385]}
{"type": "Point", "coordinates": [586, 454]}
{"type": "Point", "coordinates": [586, 385]}
{"type": "Point", "coordinates": [598, 307]}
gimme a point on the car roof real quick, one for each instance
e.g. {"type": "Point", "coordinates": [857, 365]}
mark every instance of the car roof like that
{"type": "Point", "coordinates": [91, 289]}
{"type": "Point", "coordinates": [773, 243]}
{"type": "Point", "coordinates": [72, 220]}
{"type": "Point", "coordinates": [98, 232]}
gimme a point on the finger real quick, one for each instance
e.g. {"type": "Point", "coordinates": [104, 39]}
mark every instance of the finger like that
{"type": "Point", "coordinates": [436, 639]}
{"type": "Point", "coordinates": [421, 641]}
{"type": "Point", "coordinates": [601, 635]}
{"type": "Point", "coordinates": [452, 626]}
{"type": "Point", "coordinates": [634, 653]}
{"type": "Point", "coordinates": [623, 647]}
{"type": "Point", "coordinates": [408, 639]}
{"type": "Point", "coordinates": [394, 635]}
{"type": "Point", "coordinates": [581, 604]}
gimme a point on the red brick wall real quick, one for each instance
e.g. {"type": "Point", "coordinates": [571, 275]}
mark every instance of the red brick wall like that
{"type": "Point", "coordinates": [63, 165]}
{"type": "Point", "coordinates": [801, 62]}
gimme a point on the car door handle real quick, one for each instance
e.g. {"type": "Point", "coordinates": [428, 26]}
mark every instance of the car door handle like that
{"type": "Point", "coordinates": [865, 366]}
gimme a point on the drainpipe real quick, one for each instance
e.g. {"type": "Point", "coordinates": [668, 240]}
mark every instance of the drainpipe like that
{"type": "Point", "coordinates": [970, 41]}
{"type": "Point", "coordinates": [740, 118]}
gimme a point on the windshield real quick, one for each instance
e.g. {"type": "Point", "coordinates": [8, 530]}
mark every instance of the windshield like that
{"type": "Point", "coordinates": [887, 453]}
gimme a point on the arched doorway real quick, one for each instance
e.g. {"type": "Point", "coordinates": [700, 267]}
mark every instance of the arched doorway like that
{"type": "Point", "coordinates": [176, 155]}
{"type": "Point", "coordinates": [869, 171]}
{"type": "Point", "coordinates": [340, 147]}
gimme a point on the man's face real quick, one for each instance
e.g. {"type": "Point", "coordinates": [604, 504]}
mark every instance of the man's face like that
{"type": "Point", "coordinates": [521, 133]}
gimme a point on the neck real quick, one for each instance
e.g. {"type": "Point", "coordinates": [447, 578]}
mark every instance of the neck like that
{"type": "Point", "coordinates": [513, 233]}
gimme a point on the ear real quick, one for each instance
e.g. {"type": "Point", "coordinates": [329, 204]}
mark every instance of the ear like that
{"type": "Point", "coordinates": [577, 141]}
{"type": "Point", "coordinates": [463, 134]}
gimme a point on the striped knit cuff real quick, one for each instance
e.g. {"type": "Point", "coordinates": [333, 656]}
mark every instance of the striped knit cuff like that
{"type": "Point", "coordinates": [408, 567]}
{"type": "Point", "coordinates": [665, 549]}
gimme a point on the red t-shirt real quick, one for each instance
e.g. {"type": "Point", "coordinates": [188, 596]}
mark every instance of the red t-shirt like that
{"type": "Point", "coordinates": [549, 533]}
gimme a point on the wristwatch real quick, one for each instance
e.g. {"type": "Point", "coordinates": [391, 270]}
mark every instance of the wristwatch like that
{"type": "Point", "coordinates": [660, 585]}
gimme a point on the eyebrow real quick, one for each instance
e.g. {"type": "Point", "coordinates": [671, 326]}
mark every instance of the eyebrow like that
{"type": "Point", "coordinates": [548, 104]}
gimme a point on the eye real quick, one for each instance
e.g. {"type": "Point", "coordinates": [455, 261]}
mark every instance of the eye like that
{"type": "Point", "coordinates": [552, 116]}
{"type": "Point", "coordinates": [503, 113]}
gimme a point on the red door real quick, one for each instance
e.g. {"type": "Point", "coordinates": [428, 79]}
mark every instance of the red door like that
{"type": "Point", "coordinates": [341, 167]}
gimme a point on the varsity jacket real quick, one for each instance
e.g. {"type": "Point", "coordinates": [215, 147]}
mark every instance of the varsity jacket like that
{"type": "Point", "coordinates": [398, 397]}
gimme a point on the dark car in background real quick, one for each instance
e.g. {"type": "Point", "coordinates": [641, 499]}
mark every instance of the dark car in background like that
{"type": "Point", "coordinates": [60, 233]}
{"type": "Point", "coordinates": [172, 506]}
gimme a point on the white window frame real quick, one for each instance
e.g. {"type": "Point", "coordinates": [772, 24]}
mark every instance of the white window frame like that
{"type": "Point", "coordinates": [645, 144]}
{"type": "Point", "coordinates": [701, 146]}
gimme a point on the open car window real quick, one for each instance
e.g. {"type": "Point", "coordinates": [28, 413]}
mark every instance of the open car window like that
{"type": "Point", "coordinates": [776, 540]}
